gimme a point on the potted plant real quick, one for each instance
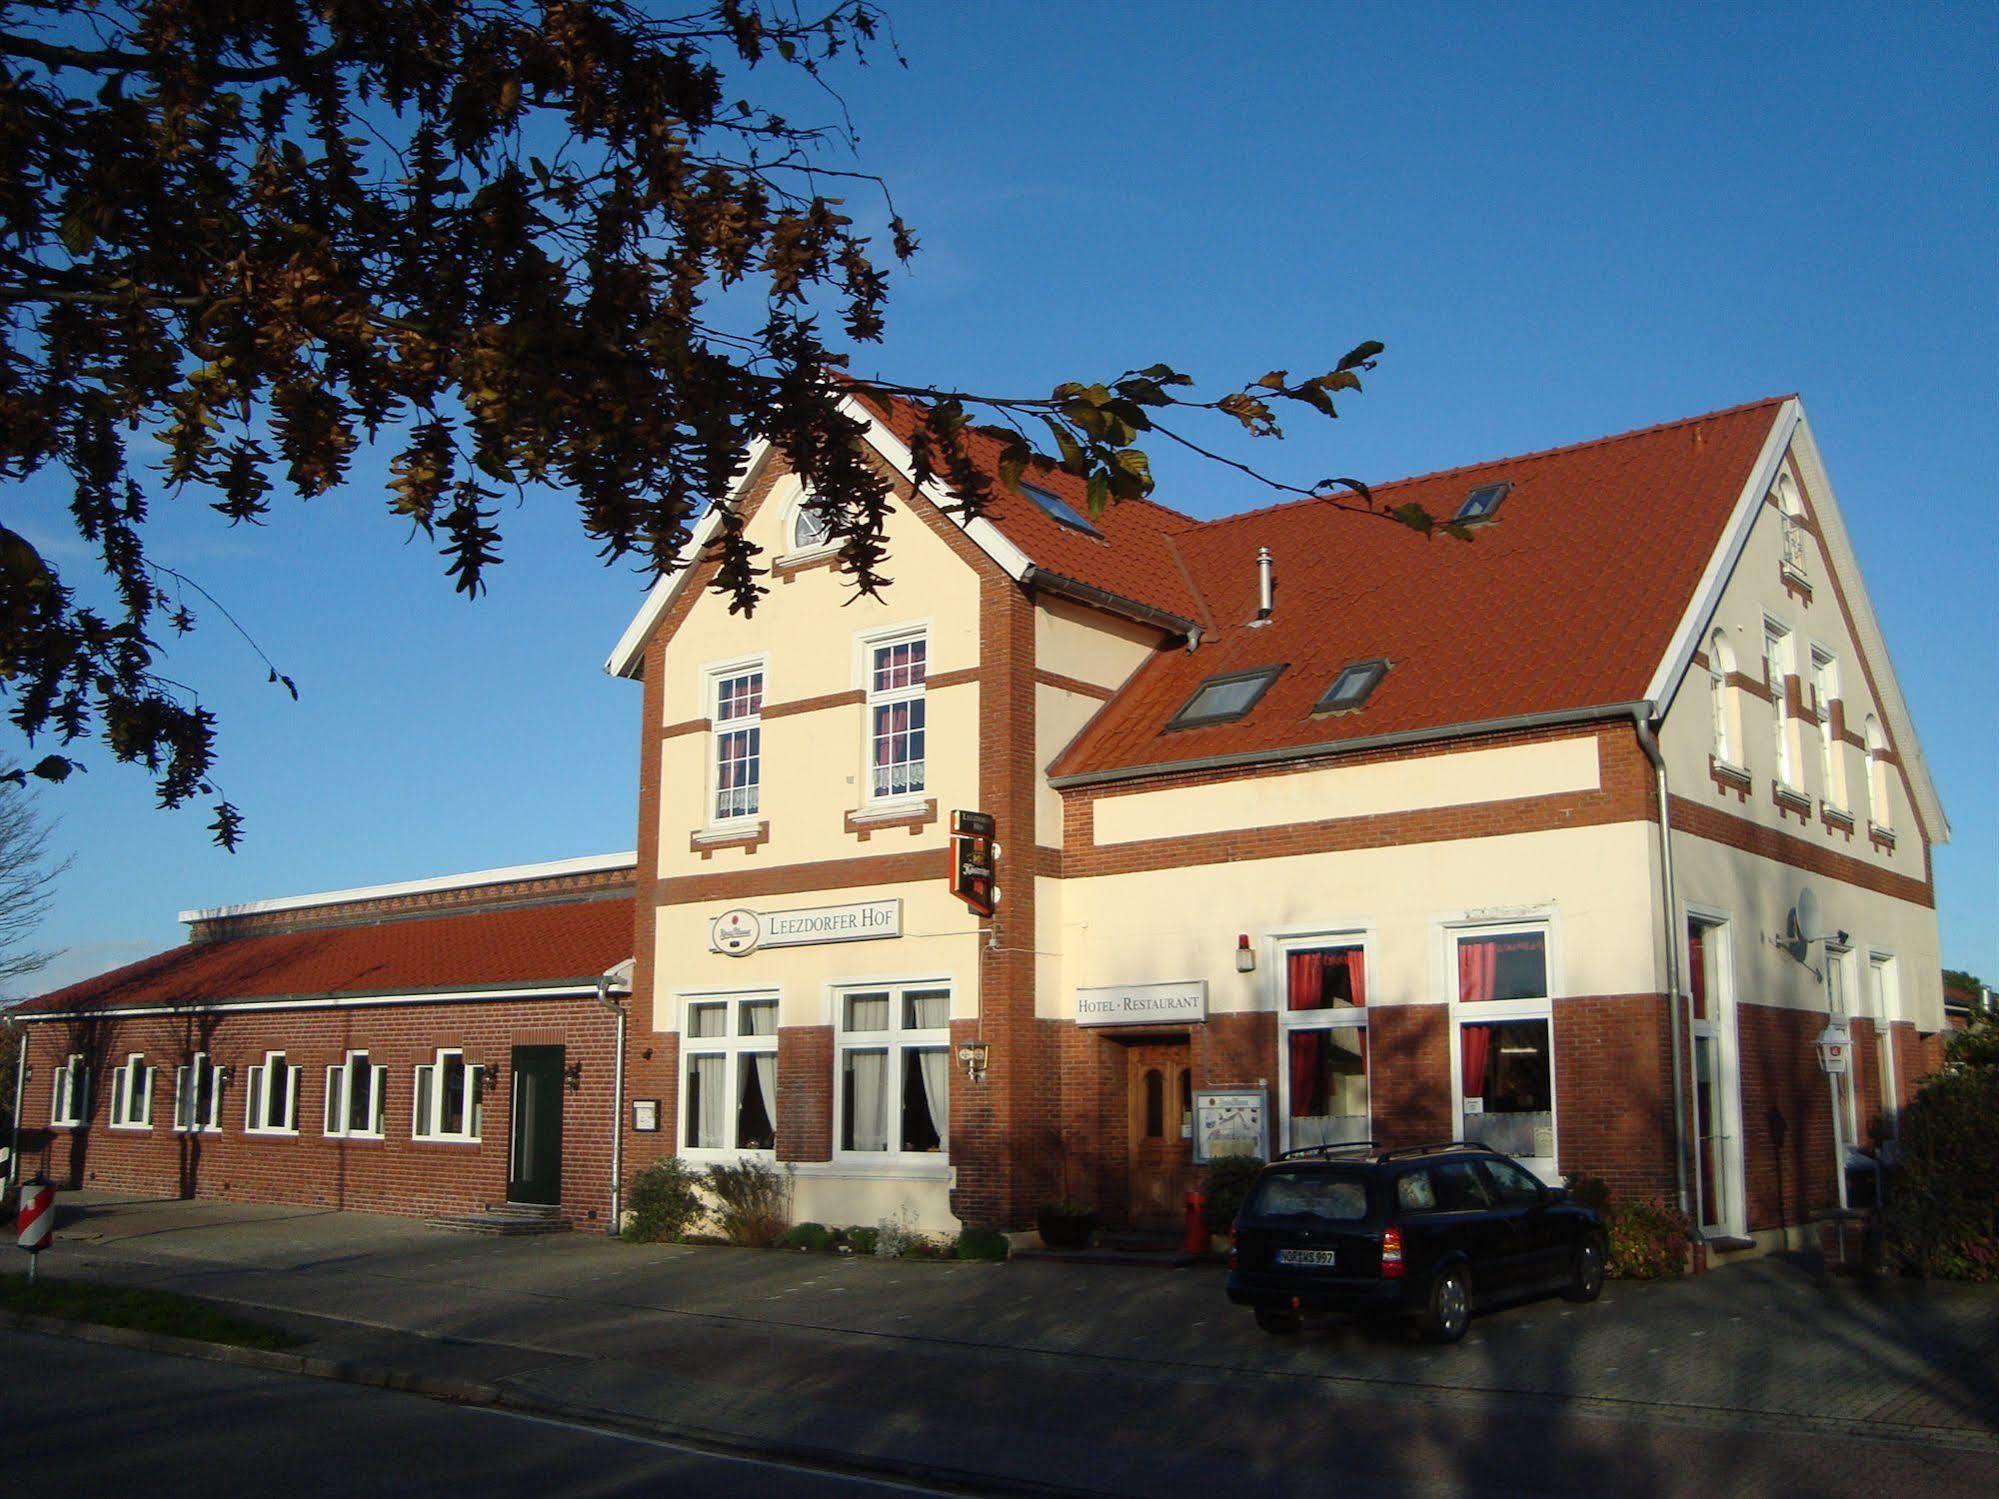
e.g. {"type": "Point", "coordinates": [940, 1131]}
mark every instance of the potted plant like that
{"type": "Point", "coordinates": [1064, 1224]}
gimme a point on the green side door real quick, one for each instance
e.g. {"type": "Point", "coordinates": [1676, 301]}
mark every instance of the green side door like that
{"type": "Point", "coordinates": [534, 1168]}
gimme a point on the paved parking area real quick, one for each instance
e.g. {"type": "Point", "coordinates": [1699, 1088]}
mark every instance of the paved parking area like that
{"type": "Point", "coordinates": [1761, 1361]}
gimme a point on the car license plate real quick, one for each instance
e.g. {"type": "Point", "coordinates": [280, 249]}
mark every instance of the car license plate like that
{"type": "Point", "coordinates": [1307, 1257]}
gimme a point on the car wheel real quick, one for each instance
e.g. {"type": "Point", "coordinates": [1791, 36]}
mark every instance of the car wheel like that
{"type": "Point", "coordinates": [1447, 1313]}
{"type": "Point", "coordinates": [1273, 1320]}
{"type": "Point", "coordinates": [1586, 1269]}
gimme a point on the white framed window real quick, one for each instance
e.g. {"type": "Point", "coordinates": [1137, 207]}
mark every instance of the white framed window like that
{"type": "Point", "coordinates": [807, 532]}
{"type": "Point", "coordinates": [729, 1076]}
{"type": "Point", "coordinates": [1792, 514]}
{"type": "Point", "coordinates": [735, 774]}
{"type": "Point", "coordinates": [449, 1099]}
{"type": "Point", "coordinates": [1878, 811]}
{"type": "Point", "coordinates": [270, 1103]}
{"type": "Point", "coordinates": [1721, 701]}
{"type": "Point", "coordinates": [198, 1095]}
{"type": "Point", "coordinates": [1502, 1024]}
{"type": "Point", "coordinates": [1884, 1003]}
{"type": "Point", "coordinates": [892, 1093]}
{"type": "Point", "coordinates": [1777, 669]}
{"type": "Point", "coordinates": [1840, 996]}
{"type": "Point", "coordinates": [896, 667]}
{"type": "Point", "coordinates": [1832, 760]}
{"type": "Point", "coordinates": [132, 1094]}
{"type": "Point", "coordinates": [1323, 1033]}
{"type": "Point", "coordinates": [354, 1092]}
{"type": "Point", "coordinates": [69, 1108]}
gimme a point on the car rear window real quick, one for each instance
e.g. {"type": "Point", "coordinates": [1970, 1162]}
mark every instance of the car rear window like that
{"type": "Point", "coordinates": [1334, 1196]}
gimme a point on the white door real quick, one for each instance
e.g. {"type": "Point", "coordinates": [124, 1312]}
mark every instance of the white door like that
{"type": "Point", "coordinates": [1717, 1081]}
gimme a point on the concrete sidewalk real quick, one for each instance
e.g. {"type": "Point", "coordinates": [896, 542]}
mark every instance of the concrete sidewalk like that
{"type": "Point", "coordinates": [1101, 1379]}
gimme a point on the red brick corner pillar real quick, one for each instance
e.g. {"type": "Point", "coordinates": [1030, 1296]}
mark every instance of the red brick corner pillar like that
{"type": "Point", "coordinates": [805, 1093]}
{"type": "Point", "coordinates": [1409, 1073]}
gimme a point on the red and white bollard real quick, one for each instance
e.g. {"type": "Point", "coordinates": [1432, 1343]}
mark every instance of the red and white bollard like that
{"type": "Point", "coordinates": [37, 1221]}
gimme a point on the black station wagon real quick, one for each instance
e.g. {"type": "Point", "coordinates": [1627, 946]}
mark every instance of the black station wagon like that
{"type": "Point", "coordinates": [1429, 1232]}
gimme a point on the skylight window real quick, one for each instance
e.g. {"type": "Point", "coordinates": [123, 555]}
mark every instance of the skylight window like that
{"type": "Point", "coordinates": [1059, 510]}
{"type": "Point", "coordinates": [1225, 698]}
{"type": "Point", "coordinates": [1352, 687]}
{"type": "Point", "coordinates": [1481, 502]}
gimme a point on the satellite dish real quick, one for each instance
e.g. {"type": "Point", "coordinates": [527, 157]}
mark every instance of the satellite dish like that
{"type": "Point", "coordinates": [1808, 916]}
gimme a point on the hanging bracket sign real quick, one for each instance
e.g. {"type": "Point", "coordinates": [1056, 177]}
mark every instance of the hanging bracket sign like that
{"type": "Point", "coordinates": [974, 860]}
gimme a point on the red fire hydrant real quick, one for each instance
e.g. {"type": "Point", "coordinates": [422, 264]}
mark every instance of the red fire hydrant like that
{"type": "Point", "coordinates": [1196, 1241]}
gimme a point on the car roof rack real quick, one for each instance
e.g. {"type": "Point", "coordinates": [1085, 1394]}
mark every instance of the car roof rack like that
{"type": "Point", "coordinates": [1433, 1147]}
{"type": "Point", "coordinates": [1337, 1147]}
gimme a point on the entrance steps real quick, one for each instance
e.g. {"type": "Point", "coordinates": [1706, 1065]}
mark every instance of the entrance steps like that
{"type": "Point", "coordinates": [508, 1219]}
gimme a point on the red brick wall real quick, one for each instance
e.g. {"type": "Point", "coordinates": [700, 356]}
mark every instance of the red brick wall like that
{"type": "Point", "coordinates": [1614, 1093]}
{"type": "Point", "coordinates": [1409, 1073]}
{"type": "Point", "coordinates": [1786, 1116]}
{"type": "Point", "coordinates": [393, 1175]}
{"type": "Point", "coordinates": [805, 1093]}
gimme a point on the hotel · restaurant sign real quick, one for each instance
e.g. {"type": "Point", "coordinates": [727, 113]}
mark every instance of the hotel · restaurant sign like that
{"type": "Point", "coordinates": [741, 931]}
{"type": "Point", "coordinates": [1180, 1003]}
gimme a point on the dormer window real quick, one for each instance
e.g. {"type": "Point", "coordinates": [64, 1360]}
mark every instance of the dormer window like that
{"type": "Point", "coordinates": [1060, 510]}
{"type": "Point", "coordinates": [1225, 698]}
{"type": "Point", "coordinates": [1481, 502]}
{"type": "Point", "coordinates": [1352, 687]}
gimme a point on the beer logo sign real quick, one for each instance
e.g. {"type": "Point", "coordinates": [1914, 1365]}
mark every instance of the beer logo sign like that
{"type": "Point", "coordinates": [736, 932]}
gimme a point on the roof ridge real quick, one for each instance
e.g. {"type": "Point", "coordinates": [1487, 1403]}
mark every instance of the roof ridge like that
{"type": "Point", "coordinates": [1536, 454]}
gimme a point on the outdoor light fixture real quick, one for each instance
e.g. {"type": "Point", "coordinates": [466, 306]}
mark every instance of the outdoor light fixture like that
{"type": "Point", "coordinates": [972, 1056]}
{"type": "Point", "coordinates": [1245, 955]}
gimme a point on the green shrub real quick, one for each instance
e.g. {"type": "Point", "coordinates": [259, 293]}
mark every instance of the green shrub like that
{"type": "Point", "coordinates": [753, 1202]}
{"type": "Point", "coordinates": [982, 1244]}
{"type": "Point", "coordinates": [1225, 1186]}
{"type": "Point", "coordinates": [663, 1201]}
{"type": "Point", "coordinates": [1942, 1217]}
{"type": "Point", "coordinates": [807, 1236]}
{"type": "Point", "coordinates": [862, 1240]}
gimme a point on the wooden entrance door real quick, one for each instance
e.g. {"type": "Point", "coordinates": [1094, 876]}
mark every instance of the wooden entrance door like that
{"type": "Point", "coordinates": [1159, 1087]}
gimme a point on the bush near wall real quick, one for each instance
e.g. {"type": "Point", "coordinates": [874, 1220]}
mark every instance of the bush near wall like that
{"type": "Point", "coordinates": [1942, 1217]}
{"type": "Point", "coordinates": [1647, 1240]}
{"type": "Point", "coordinates": [663, 1201]}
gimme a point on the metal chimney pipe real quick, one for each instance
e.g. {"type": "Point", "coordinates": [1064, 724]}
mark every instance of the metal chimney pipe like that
{"type": "Point", "coordinates": [1264, 583]}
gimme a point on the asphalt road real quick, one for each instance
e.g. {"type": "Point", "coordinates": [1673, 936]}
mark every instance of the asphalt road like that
{"type": "Point", "coordinates": [83, 1418]}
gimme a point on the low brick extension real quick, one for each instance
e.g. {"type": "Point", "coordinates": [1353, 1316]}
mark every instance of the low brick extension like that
{"type": "Point", "coordinates": [395, 1174]}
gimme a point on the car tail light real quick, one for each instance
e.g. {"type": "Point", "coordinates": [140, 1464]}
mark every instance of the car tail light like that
{"type": "Point", "coordinates": [1391, 1254]}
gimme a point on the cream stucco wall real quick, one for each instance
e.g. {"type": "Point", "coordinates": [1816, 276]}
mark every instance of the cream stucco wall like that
{"type": "Point", "coordinates": [808, 633]}
{"type": "Point", "coordinates": [1177, 924]}
{"type": "Point", "coordinates": [1088, 644]}
{"type": "Point", "coordinates": [1458, 779]}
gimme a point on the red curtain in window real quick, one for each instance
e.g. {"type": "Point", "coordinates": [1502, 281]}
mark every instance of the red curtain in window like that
{"type": "Point", "coordinates": [1477, 1043]}
{"type": "Point", "coordinates": [1309, 974]}
{"type": "Point", "coordinates": [1308, 1049]}
{"type": "Point", "coordinates": [1478, 970]}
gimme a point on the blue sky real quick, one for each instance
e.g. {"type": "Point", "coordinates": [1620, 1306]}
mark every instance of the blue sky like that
{"type": "Point", "coordinates": [1562, 222]}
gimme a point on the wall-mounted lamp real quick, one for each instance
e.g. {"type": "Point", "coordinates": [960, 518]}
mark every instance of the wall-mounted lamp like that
{"type": "Point", "coordinates": [1245, 955]}
{"type": "Point", "coordinates": [972, 1056]}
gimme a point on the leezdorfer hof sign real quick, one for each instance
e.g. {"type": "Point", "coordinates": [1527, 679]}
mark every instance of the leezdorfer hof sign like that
{"type": "Point", "coordinates": [741, 931]}
{"type": "Point", "coordinates": [1181, 1003]}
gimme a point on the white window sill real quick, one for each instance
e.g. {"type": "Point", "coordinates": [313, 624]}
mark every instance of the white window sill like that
{"type": "Point", "coordinates": [136, 1129]}
{"type": "Point", "coordinates": [916, 804]}
{"type": "Point", "coordinates": [65, 1124]}
{"type": "Point", "coordinates": [272, 1134]}
{"type": "Point", "coordinates": [810, 554]}
{"type": "Point", "coordinates": [886, 1165]}
{"type": "Point", "coordinates": [725, 1155]}
{"type": "Point", "coordinates": [1729, 767]}
{"type": "Point", "coordinates": [205, 1129]}
{"type": "Point", "coordinates": [354, 1134]}
{"type": "Point", "coordinates": [729, 832]}
{"type": "Point", "coordinates": [444, 1139]}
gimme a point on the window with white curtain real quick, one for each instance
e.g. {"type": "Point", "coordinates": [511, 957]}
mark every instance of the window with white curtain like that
{"type": "Point", "coordinates": [70, 1106]}
{"type": "Point", "coordinates": [897, 670]}
{"type": "Point", "coordinates": [738, 741]}
{"type": "Point", "coordinates": [354, 1092]}
{"type": "Point", "coordinates": [198, 1095]}
{"type": "Point", "coordinates": [894, 1070]}
{"type": "Point", "coordinates": [730, 1074]}
{"type": "Point", "coordinates": [132, 1094]}
{"type": "Point", "coordinates": [271, 1100]}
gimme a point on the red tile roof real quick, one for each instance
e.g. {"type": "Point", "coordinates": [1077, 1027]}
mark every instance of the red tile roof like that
{"type": "Point", "coordinates": [1567, 599]}
{"type": "Point", "coordinates": [524, 946]}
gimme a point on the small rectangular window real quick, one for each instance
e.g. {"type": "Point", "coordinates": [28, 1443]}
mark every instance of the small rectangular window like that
{"type": "Point", "coordinates": [1481, 502]}
{"type": "Point", "coordinates": [898, 718]}
{"type": "Point", "coordinates": [1352, 687]}
{"type": "Point", "coordinates": [1059, 510]}
{"type": "Point", "coordinates": [198, 1096]}
{"type": "Point", "coordinates": [354, 1097]}
{"type": "Point", "coordinates": [272, 1097]}
{"type": "Point", "coordinates": [1225, 698]}
{"type": "Point", "coordinates": [71, 1104]}
{"type": "Point", "coordinates": [738, 745]}
{"type": "Point", "coordinates": [132, 1094]}
{"type": "Point", "coordinates": [449, 1102]}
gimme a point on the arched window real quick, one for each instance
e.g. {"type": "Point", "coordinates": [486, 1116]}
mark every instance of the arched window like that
{"type": "Point", "coordinates": [1877, 775]}
{"type": "Point", "coordinates": [810, 530]}
{"type": "Point", "coordinates": [1155, 1104]}
{"type": "Point", "coordinates": [1720, 663]}
{"type": "Point", "coordinates": [1786, 491]}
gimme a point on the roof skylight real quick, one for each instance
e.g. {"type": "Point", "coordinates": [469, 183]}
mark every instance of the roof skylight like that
{"type": "Point", "coordinates": [1059, 510]}
{"type": "Point", "coordinates": [1352, 687]}
{"type": "Point", "coordinates": [1225, 698]}
{"type": "Point", "coordinates": [1481, 502]}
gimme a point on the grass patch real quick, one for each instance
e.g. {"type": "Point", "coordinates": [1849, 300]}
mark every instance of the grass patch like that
{"type": "Point", "coordinates": [142, 1310]}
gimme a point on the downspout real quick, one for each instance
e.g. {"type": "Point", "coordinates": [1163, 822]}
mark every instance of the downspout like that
{"type": "Point", "coordinates": [20, 1082]}
{"type": "Point", "coordinates": [617, 1103]}
{"type": "Point", "coordinates": [1641, 718]}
